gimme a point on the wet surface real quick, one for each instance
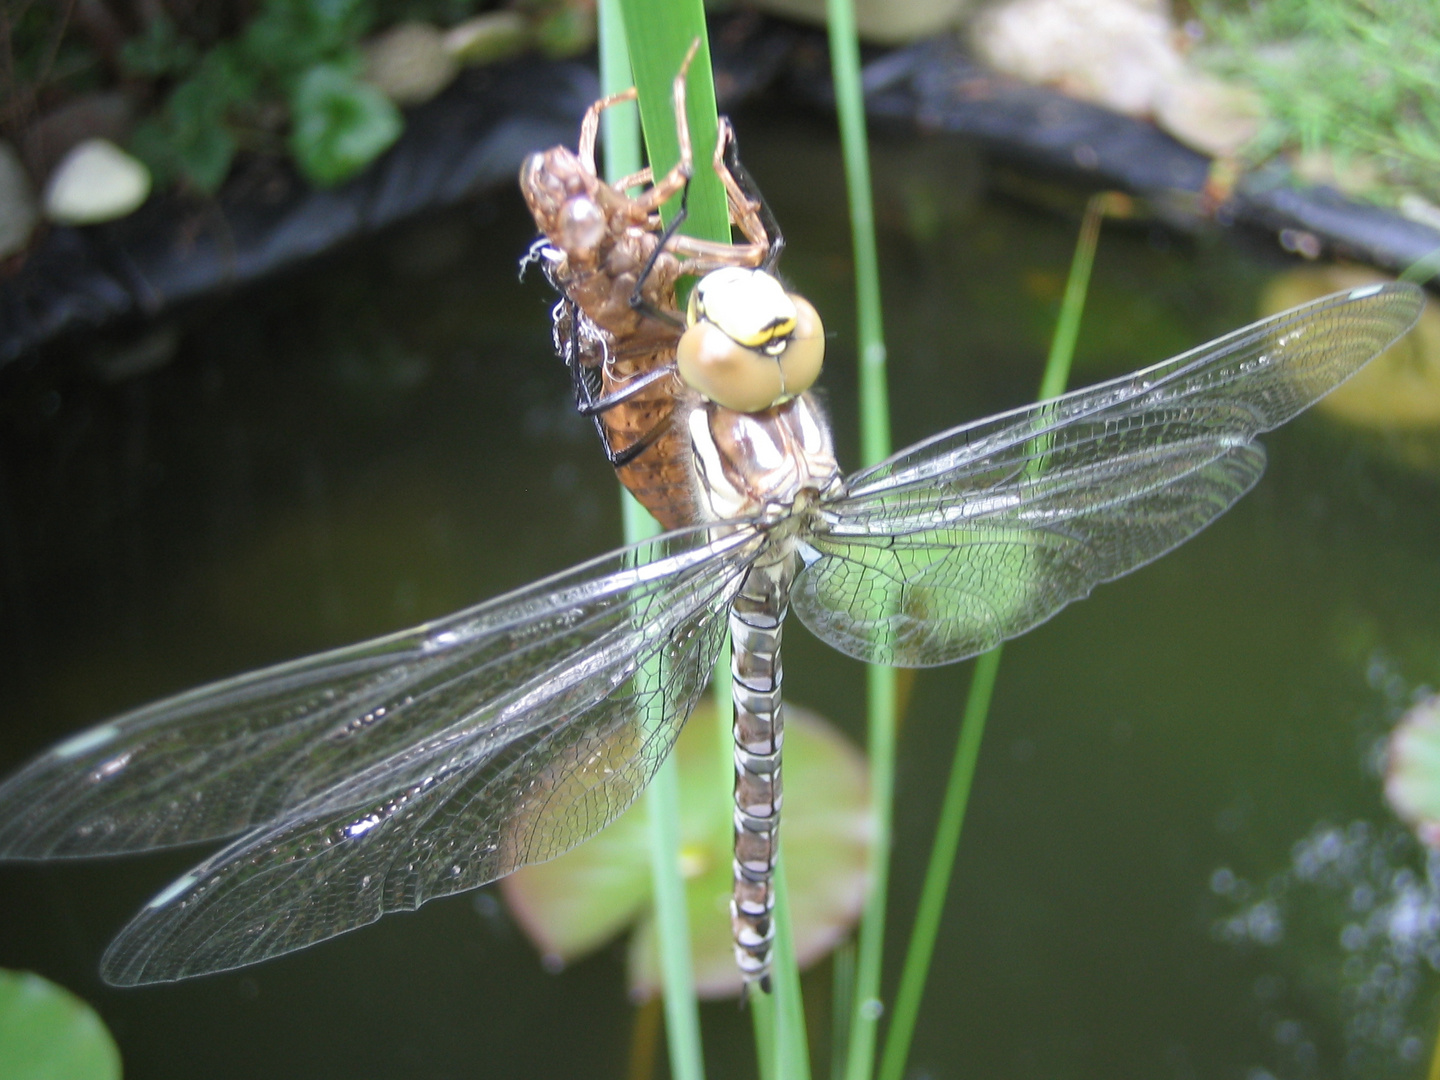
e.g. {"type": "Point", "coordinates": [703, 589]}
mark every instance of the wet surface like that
{"type": "Point", "coordinates": [384, 436]}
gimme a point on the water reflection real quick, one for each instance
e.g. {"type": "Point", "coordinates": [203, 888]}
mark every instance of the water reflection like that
{"type": "Point", "coordinates": [1349, 934]}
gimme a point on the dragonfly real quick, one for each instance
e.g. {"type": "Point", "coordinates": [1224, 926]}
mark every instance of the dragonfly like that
{"type": "Point", "coordinates": [376, 777]}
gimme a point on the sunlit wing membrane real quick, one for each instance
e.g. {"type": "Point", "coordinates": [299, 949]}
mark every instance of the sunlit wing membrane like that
{"type": "Point", "coordinates": [394, 771]}
{"type": "Point", "coordinates": [984, 531]}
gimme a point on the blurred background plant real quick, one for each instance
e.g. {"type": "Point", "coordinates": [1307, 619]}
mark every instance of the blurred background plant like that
{"type": "Point", "coordinates": [1348, 88]}
{"type": "Point", "coordinates": [188, 84]}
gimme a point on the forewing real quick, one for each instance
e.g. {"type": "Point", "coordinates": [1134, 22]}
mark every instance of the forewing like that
{"type": "Point", "coordinates": [539, 756]}
{"type": "Point", "coordinates": [982, 532]}
{"type": "Point", "coordinates": [347, 726]}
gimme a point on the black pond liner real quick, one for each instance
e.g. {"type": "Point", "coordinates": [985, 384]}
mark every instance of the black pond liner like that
{"type": "Point", "coordinates": [471, 139]}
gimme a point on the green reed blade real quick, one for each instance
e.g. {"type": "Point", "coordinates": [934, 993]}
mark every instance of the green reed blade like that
{"type": "Point", "coordinates": [660, 33]}
{"type": "Point", "coordinates": [875, 446]}
{"type": "Point", "coordinates": [662, 798]}
{"type": "Point", "coordinates": [982, 685]}
{"type": "Point", "coordinates": [792, 1049]}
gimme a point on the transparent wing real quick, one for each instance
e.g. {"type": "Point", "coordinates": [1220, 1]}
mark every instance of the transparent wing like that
{"type": "Point", "coordinates": [380, 776]}
{"type": "Point", "coordinates": [984, 531]}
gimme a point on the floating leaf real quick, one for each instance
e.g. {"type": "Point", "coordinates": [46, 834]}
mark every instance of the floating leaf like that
{"type": "Point", "coordinates": [1398, 389]}
{"type": "Point", "coordinates": [1412, 774]}
{"type": "Point", "coordinates": [575, 904]}
{"type": "Point", "coordinates": [47, 1033]}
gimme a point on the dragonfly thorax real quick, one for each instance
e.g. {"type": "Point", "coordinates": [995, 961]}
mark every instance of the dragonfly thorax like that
{"type": "Point", "coordinates": [761, 464]}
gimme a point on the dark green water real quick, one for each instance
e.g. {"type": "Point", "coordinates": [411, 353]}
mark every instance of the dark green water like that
{"type": "Point", "coordinates": [1177, 861]}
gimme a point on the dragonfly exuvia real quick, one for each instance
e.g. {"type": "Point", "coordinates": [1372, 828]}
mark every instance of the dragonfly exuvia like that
{"type": "Point", "coordinates": [376, 777]}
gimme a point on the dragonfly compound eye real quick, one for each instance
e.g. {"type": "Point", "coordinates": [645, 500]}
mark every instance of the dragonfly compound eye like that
{"type": "Point", "coordinates": [749, 344]}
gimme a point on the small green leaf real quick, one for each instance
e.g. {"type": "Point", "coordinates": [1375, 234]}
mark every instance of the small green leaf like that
{"type": "Point", "coordinates": [289, 37]}
{"type": "Point", "coordinates": [47, 1033]}
{"type": "Point", "coordinates": [200, 141]}
{"type": "Point", "coordinates": [159, 50]}
{"type": "Point", "coordinates": [340, 124]}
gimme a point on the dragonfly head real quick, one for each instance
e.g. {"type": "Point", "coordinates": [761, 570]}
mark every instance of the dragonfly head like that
{"type": "Point", "coordinates": [748, 344]}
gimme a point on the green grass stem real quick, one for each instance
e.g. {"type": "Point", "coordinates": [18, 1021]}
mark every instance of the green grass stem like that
{"type": "Point", "coordinates": [662, 799]}
{"type": "Point", "coordinates": [762, 1014]}
{"type": "Point", "coordinates": [659, 34]}
{"type": "Point", "coordinates": [1424, 269]}
{"type": "Point", "coordinates": [792, 1043]}
{"type": "Point", "coordinates": [875, 446]}
{"type": "Point", "coordinates": [937, 873]}
{"type": "Point", "coordinates": [842, 1006]}
{"type": "Point", "coordinates": [977, 706]}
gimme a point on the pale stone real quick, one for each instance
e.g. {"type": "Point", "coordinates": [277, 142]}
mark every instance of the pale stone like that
{"type": "Point", "coordinates": [18, 212]}
{"type": "Point", "coordinates": [96, 181]}
{"type": "Point", "coordinates": [1208, 114]}
{"type": "Point", "coordinates": [885, 22]}
{"type": "Point", "coordinates": [1115, 53]}
{"type": "Point", "coordinates": [495, 35]}
{"type": "Point", "coordinates": [409, 63]}
{"type": "Point", "coordinates": [1350, 174]}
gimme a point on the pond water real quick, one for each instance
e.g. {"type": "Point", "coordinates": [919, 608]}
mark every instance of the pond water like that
{"type": "Point", "coordinates": [1177, 860]}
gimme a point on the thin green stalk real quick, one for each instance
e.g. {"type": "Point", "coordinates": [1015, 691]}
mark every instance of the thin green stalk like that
{"type": "Point", "coordinates": [779, 1017]}
{"type": "Point", "coordinates": [662, 800]}
{"type": "Point", "coordinates": [619, 125]}
{"type": "Point", "coordinates": [875, 446]}
{"type": "Point", "coordinates": [660, 33]}
{"type": "Point", "coordinates": [682, 1011]}
{"type": "Point", "coordinates": [792, 1049]}
{"type": "Point", "coordinates": [1067, 326]}
{"type": "Point", "coordinates": [937, 874]}
{"type": "Point", "coordinates": [977, 706]}
{"type": "Point", "coordinates": [762, 1014]}
{"type": "Point", "coordinates": [1424, 269]}
{"type": "Point", "coordinates": [842, 1006]}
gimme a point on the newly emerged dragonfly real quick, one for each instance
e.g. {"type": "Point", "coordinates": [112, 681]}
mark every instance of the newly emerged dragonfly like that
{"type": "Point", "coordinates": [616, 266]}
{"type": "Point", "coordinates": [376, 777]}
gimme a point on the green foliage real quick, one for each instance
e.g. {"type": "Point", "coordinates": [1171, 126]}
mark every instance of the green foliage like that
{"type": "Point", "coordinates": [193, 135]}
{"type": "Point", "coordinates": [159, 50]}
{"type": "Point", "coordinates": [47, 1033]}
{"type": "Point", "coordinates": [289, 37]}
{"type": "Point", "coordinates": [339, 124]}
{"type": "Point", "coordinates": [287, 81]}
{"type": "Point", "coordinates": [1354, 79]}
{"type": "Point", "coordinates": [294, 61]}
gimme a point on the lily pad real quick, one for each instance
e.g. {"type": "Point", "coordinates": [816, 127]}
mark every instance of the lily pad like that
{"type": "Point", "coordinates": [1400, 389]}
{"type": "Point", "coordinates": [1412, 774]}
{"type": "Point", "coordinates": [47, 1033]}
{"type": "Point", "coordinates": [575, 904]}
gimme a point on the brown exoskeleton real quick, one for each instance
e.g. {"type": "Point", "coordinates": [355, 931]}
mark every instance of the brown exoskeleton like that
{"type": "Point", "coordinates": [616, 266]}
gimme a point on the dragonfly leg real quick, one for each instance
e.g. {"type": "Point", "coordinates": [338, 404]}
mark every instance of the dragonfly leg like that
{"type": "Point", "coordinates": [757, 221]}
{"type": "Point", "coordinates": [591, 401]}
{"type": "Point", "coordinates": [596, 405]}
{"type": "Point", "coordinates": [749, 212]}
{"type": "Point", "coordinates": [638, 300]}
{"type": "Point", "coordinates": [590, 127]}
{"type": "Point", "coordinates": [620, 458]}
{"type": "Point", "coordinates": [678, 177]}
